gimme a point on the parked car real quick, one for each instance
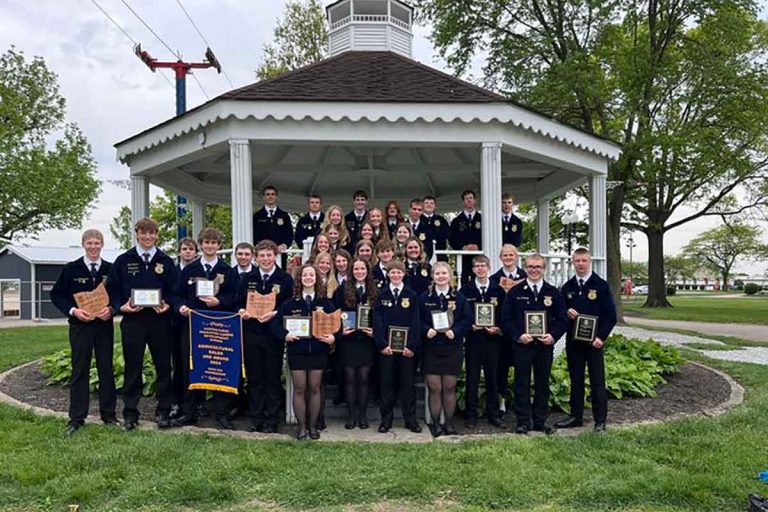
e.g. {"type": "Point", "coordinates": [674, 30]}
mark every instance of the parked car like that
{"type": "Point", "coordinates": [640, 290]}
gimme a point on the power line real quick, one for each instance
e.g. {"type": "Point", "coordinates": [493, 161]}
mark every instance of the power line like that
{"type": "Point", "coordinates": [149, 28]}
{"type": "Point", "coordinates": [202, 37]}
{"type": "Point", "coordinates": [201, 86]}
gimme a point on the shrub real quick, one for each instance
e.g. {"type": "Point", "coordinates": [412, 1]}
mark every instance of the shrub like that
{"type": "Point", "coordinates": [738, 284]}
{"type": "Point", "coordinates": [671, 290]}
{"type": "Point", "coordinates": [751, 288]}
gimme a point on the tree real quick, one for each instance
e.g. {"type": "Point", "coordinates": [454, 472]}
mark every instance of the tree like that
{"type": "Point", "coordinates": [635, 73]}
{"type": "Point", "coordinates": [680, 268]}
{"type": "Point", "coordinates": [719, 248]}
{"type": "Point", "coordinates": [300, 39]}
{"type": "Point", "coordinates": [46, 182]}
{"type": "Point", "coordinates": [637, 270]}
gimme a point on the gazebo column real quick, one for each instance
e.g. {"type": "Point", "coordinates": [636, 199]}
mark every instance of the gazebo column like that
{"type": "Point", "coordinates": [490, 199]}
{"type": "Point", "coordinates": [198, 217]}
{"type": "Point", "coordinates": [241, 181]}
{"type": "Point", "coordinates": [139, 199]}
{"type": "Point", "coordinates": [542, 225]}
{"type": "Point", "coordinates": [598, 218]}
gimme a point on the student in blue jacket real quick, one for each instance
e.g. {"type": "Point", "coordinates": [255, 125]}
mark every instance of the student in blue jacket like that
{"type": "Point", "coordinates": [442, 347]}
{"type": "Point", "coordinates": [307, 357]}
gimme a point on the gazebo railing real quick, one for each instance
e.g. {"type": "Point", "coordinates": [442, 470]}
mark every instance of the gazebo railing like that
{"type": "Point", "coordinates": [559, 268]}
{"type": "Point", "coordinates": [370, 18]}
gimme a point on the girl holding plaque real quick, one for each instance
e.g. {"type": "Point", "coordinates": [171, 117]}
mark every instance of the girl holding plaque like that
{"type": "Point", "coordinates": [356, 346]}
{"type": "Point", "coordinates": [307, 355]}
{"type": "Point", "coordinates": [445, 319]}
{"type": "Point", "coordinates": [417, 277]}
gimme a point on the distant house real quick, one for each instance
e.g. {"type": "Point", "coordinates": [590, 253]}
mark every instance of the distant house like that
{"type": "Point", "coordinates": [27, 275]}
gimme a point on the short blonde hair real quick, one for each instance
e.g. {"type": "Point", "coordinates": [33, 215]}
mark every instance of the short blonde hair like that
{"type": "Point", "coordinates": [92, 233]}
{"type": "Point", "coordinates": [442, 264]}
{"type": "Point", "coordinates": [509, 247]}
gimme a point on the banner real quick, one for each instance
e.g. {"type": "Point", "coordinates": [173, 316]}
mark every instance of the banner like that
{"type": "Point", "coordinates": [216, 351]}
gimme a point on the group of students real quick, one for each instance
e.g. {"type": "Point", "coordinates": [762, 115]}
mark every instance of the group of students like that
{"type": "Point", "coordinates": [402, 289]}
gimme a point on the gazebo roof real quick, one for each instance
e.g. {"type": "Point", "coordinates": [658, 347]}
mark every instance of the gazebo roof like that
{"type": "Point", "coordinates": [368, 77]}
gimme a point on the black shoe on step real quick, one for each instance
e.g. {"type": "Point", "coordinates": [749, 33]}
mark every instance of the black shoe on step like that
{"type": "Point", "coordinates": [435, 429]}
{"type": "Point", "coordinates": [413, 426]}
{"type": "Point", "coordinates": [569, 422]}
{"type": "Point", "coordinates": [350, 423]}
{"type": "Point", "coordinates": [314, 434]}
{"type": "Point", "coordinates": [301, 435]}
{"type": "Point", "coordinates": [111, 422]}
{"type": "Point", "coordinates": [496, 422]}
{"type": "Point", "coordinates": [320, 425]}
{"type": "Point", "coordinates": [225, 423]}
{"type": "Point", "coordinates": [73, 427]}
{"type": "Point", "coordinates": [162, 419]}
{"type": "Point", "coordinates": [184, 420]}
{"type": "Point", "coordinates": [130, 425]}
{"type": "Point", "coordinates": [363, 423]}
{"type": "Point", "coordinates": [600, 428]}
{"type": "Point", "coordinates": [384, 428]}
{"type": "Point", "coordinates": [522, 429]}
{"type": "Point", "coordinates": [547, 429]}
{"type": "Point", "coordinates": [449, 429]}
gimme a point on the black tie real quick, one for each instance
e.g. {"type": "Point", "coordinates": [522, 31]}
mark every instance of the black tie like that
{"type": "Point", "coordinates": [308, 300]}
{"type": "Point", "coordinates": [360, 293]}
{"type": "Point", "coordinates": [482, 291]}
{"type": "Point", "coordinates": [94, 273]}
{"type": "Point", "coordinates": [396, 293]}
{"type": "Point", "coordinates": [208, 270]}
{"type": "Point", "coordinates": [146, 259]}
{"type": "Point", "coordinates": [581, 285]}
{"type": "Point", "coordinates": [536, 292]}
{"type": "Point", "coordinates": [414, 228]}
{"type": "Point", "coordinates": [270, 213]}
{"type": "Point", "coordinates": [359, 219]}
{"type": "Point", "coordinates": [442, 300]}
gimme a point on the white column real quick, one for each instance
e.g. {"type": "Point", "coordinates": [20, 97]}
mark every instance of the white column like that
{"type": "Point", "coordinates": [542, 225]}
{"type": "Point", "coordinates": [139, 198]}
{"type": "Point", "coordinates": [242, 191]}
{"type": "Point", "coordinates": [490, 200]}
{"type": "Point", "coordinates": [598, 220]}
{"type": "Point", "coordinates": [198, 218]}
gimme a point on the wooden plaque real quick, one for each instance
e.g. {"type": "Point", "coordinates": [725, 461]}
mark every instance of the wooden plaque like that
{"type": "Point", "coordinates": [94, 301]}
{"type": "Point", "coordinates": [507, 283]}
{"type": "Point", "coordinates": [324, 323]}
{"type": "Point", "coordinates": [258, 305]}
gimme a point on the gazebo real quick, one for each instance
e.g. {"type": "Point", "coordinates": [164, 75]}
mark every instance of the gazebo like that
{"type": "Point", "coordinates": [370, 117]}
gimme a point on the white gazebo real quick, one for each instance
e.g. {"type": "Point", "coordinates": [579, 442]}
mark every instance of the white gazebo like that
{"type": "Point", "coordinates": [370, 117]}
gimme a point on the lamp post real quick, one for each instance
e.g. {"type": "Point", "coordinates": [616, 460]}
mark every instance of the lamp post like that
{"type": "Point", "coordinates": [569, 221]}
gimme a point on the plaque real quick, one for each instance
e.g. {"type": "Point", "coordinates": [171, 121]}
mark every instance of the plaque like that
{"type": "Point", "coordinates": [442, 321]}
{"type": "Point", "coordinates": [364, 317]}
{"type": "Point", "coordinates": [508, 283]}
{"type": "Point", "coordinates": [94, 301]}
{"type": "Point", "coordinates": [536, 323]}
{"type": "Point", "coordinates": [485, 314]}
{"type": "Point", "coordinates": [297, 325]}
{"type": "Point", "coordinates": [205, 288]}
{"type": "Point", "coordinates": [585, 328]}
{"type": "Point", "coordinates": [258, 305]}
{"type": "Point", "coordinates": [349, 319]}
{"type": "Point", "coordinates": [324, 323]}
{"type": "Point", "coordinates": [146, 297]}
{"type": "Point", "coordinates": [397, 338]}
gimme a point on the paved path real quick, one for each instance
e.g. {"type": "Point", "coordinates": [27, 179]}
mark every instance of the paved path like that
{"type": "Point", "coordinates": [7, 323]}
{"type": "Point", "coordinates": [750, 332]}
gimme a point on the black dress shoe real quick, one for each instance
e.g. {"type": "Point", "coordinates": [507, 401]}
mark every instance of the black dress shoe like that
{"type": "Point", "coordinates": [320, 424]}
{"type": "Point", "coordinates": [470, 422]}
{"type": "Point", "coordinates": [129, 425]}
{"type": "Point", "coordinates": [522, 429]}
{"type": "Point", "coordinates": [225, 423]}
{"type": "Point", "coordinates": [413, 426]}
{"type": "Point", "coordinates": [350, 423]}
{"type": "Point", "coordinates": [450, 430]}
{"type": "Point", "coordinates": [600, 428]}
{"type": "Point", "coordinates": [314, 434]}
{"type": "Point", "coordinates": [256, 426]}
{"type": "Point", "coordinates": [435, 429]}
{"type": "Point", "coordinates": [384, 428]}
{"type": "Point", "coordinates": [496, 422]}
{"type": "Point", "coordinates": [162, 419]}
{"type": "Point", "coordinates": [175, 411]}
{"type": "Point", "coordinates": [301, 435]}
{"type": "Point", "coordinates": [73, 427]}
{"type": "Point", "coordinates": [547, 429]}
{"type": "Point", "coordinates": [110, 422]}
{"type": "Point", "coordinates": [270, 429]}
{"type": "Point", "coordinates": [569, 422]}
{"type": "Point", "coordinates": [183, 420]}
{"type": "Point", "coordinates": [363, 423]}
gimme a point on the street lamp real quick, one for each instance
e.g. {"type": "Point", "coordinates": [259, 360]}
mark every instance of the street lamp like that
{"type": "Point", "coordinates": [569, 221]}
{"type": "Point", "coordinates": [631, 244]}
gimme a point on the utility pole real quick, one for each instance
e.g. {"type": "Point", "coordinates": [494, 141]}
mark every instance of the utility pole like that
{"type": "Point", "coordinates": [181, 69]}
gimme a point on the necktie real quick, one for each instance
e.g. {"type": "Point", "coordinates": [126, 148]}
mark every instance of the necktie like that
{"type": "Point", "coordinates": [482, 291]}
{"type": "Point", "coordinates": [506, 219]}
{"type": "Point", "coordinates": [414, 227]}
{"type": "Point", "coordinates": [581, 285]}
{"type": "Point", "coordinates": [207, 270]}
{"type": "Point", "coordinates": [360, 292]}
{"type": "Point", "coordinates": [536, 291]}
{"type": "Point", "coordinates": [396, 293]}
{"type": "Point", "coordinates": [146, 259]}
{"type": "Point", "coordinates": [469, 217]}
{"type": "Point", "coordinates": [94, 273]}
{"type": "Point", "coordinates": [442, 299]}
{"type": "Point", "coordinates": [308, 300]}
{"type": "Point", "coordinates": [359, 219]}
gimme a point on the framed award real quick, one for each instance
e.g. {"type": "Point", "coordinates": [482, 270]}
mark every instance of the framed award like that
{"type": "Point", "coordinates": [349, 319]}
{"type": "Point", "coordinates": [442, 321]}
{"type": "Point", "coordinates": [536, 323]}
{"type": "Point", "coordinates": [585, 328]}
{"type": "Point", "coordinates": [485, 315]}
{"type": "Point", "coordinates": [364, 320]}
{"type": "Point", "coordinates": [205, 288]}
{"type": "Point", "coordinates": [298, 325]}
{"type": "Point", "coordinates": [397, 338]}
{"type": "Point", "coordinates": [146, 297]}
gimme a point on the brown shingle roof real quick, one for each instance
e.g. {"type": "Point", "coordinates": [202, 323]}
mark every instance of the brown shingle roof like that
{"type": "Point", "coordinates": [366, 76]}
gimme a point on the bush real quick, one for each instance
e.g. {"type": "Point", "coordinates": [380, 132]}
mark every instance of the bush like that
{"type": "Point", "coordinates": [738, 284]}
{"type": "Point", "coordinates": [751, 288]}
{"type": "Point", "coordinates": [671, 290]}
{"type": "Point", "coordinates": [57, 368]}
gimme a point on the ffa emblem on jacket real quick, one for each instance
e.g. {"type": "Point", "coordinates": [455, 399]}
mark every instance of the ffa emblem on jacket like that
{"type": "Point", "coordinates": [104, 279]}
{"type": "Point", "coordinates": [452, 305]}
{"type": "Point", "coordinates": [514, 228]}
{"type": "Point", "coordinates": [276, 288]}
{"type": "Point", "coordinates": [159, 268]}
{"type": "Point", "coordinates": [477, 225]}
{"type": "Point", "coordinates": [592, 295]}
{"type": "Point", "coordinates": [424, 272]}
{"type": "Point", "coordinates": [437, 223]}
{"type": "Point", "coordinates": [494, 301]}
{"type": "Point", "coordinates": [547, 301]}
{"type": "Point", "coordinates": [405, 303]}
{"type": "Point", "coordinates": [219, 278]}
{"type": "Point", "coordinates": [280, 222]}
{"type": "Point", "coordinates": [422, 237]}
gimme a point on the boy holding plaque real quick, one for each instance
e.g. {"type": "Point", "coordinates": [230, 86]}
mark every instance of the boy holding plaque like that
{"type": "Point", "coordinates": [592, 315]}
{"type": "Point", "coordinates": [396, 330]}
{"type": "Point", "coordinates": [207, 284]}
{"type": "Point", "coordinates": [141, 284]}
{"type": "Point", "coordinates": [307, 354]}
{"type": "Point", "coordinates": [484, 341]}
{"type": "Point", "coordinates": [445, 319]}
{"type": "Point", "coordinates": [356, 346]}
{"type": "Point", "coordinates": [533, 316]}
{"type": "Point", "coordinates": [263, 353]}
{"type": "Point", "coordinates": [90, 330]}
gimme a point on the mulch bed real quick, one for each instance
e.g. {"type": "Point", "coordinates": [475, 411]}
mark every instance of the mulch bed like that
{"type": "Point", "coordinates": [689, 391]}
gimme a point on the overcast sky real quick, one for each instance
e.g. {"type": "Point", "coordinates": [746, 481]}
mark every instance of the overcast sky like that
{"type": "Point", "coordinates": [112, 95]}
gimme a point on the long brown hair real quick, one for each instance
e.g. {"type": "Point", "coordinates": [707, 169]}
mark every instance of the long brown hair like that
{"type": "Point", "coordinates": [350, 285]}
{"type": "Point", "coordinates": [298, 288]}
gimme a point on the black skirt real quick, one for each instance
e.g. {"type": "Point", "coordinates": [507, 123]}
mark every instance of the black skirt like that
{"type": "Point", "coordinates": [314, 361]}
{"type": "Point", "coordinates": [441, 359]}
{"type": "Point", "coordinates": [356, 351]}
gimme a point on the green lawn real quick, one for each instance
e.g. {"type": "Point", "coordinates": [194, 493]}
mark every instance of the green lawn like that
{"type": "Point", "coordinates": [706, 309]}
{"type": "Point", "coordinates": [695, 464]}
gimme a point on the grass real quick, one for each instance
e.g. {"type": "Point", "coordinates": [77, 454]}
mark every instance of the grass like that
{"type": "Point", "coordinates": [694, 464]}
{"type": "Point", "coordinates": [700, 309]}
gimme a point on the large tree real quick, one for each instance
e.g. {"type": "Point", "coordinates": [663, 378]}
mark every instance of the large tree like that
{"type": "Point", "coordinates": [47, 173]}
{"type": "Point", "coordinates": [720, 248]}
{"type": "Point", "coordinates": [633, 72]}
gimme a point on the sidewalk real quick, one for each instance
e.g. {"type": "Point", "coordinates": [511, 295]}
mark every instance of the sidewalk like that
{"type": "Point", "coordinates": [7, 323]}
{"type": "Point", "coordinates": [749, 332]}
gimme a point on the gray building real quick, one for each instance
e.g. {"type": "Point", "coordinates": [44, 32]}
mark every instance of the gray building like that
{"type": "Point", "coordinates": [27, 275]}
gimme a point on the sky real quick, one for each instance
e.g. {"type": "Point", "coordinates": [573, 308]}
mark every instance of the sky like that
{"type": "Point", "coordinates": [112, 95]}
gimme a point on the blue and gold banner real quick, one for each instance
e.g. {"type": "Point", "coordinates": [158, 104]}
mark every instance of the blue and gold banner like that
{"type": "Point", "coordinates": [216, 351]}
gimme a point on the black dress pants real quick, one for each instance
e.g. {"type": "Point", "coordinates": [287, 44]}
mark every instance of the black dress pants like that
{"type": "Point", "coordinates": [537, 357]}
{"type": "Point", "coordinates": [482, 355]}
{"type": "Point", "coordinates": [85, 339]}
{"type": "Point", "coordinates": [140, 330]}
{"type": "Point", "coordinates": [263, 368]}
{"type": "Point", "coordinates": [581, 354]}
{"type": "Point", "coordinates": [397, 371]}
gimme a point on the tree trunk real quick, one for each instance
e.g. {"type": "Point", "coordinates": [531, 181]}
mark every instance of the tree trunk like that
{"type": "Point", "coordinates": [613, 248]}
{"type": "Point", "coordinates": [657, 290]}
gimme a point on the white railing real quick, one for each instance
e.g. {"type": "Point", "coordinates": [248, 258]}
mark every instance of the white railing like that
{"type": "Point", "coordinates": [370, 18]}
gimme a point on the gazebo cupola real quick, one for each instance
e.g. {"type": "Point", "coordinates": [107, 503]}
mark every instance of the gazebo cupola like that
{"type": "Point", "coordinates": [370, 25]}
